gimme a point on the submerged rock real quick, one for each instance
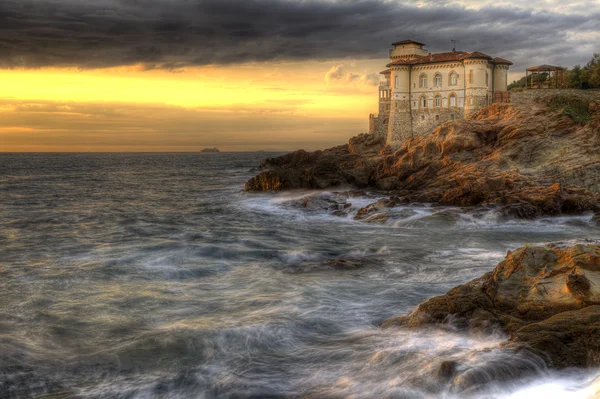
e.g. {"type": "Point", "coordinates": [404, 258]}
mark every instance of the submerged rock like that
{"type": "Point", "coordinates": [546, 298]}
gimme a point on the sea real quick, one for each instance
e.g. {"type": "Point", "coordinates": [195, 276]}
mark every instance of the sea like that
{"type": "Point", "coordinates": [127, 275]}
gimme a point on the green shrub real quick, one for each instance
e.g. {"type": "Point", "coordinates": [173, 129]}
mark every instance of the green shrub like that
{"type": "Point", "coordinates": [576, 108]}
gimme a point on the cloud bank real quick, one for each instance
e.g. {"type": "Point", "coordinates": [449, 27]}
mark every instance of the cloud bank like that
{"type": "Point", "coordinates": [174, 34]}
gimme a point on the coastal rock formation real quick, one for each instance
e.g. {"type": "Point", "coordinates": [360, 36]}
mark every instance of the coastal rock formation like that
{"type": "Point", "coordinates": [531, 157]}
{"type": "Point", "coordinates": [547, 299]}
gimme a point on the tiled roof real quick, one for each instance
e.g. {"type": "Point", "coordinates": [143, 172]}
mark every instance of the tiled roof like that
{"type": "Point", "coordinates": [477, 54]}
{"type": "Point", "coordinates": [407, 42]}
{"type": "Point", "coordinates": [499, 60]}
{"type": "Point", "coordinates": [387, 71]}
{"type": "Point", "coordinates": [446, 57]}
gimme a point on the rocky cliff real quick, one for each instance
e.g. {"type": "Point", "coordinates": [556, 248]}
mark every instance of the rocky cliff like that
{"type": "Point", "coordinates": [547, 299]}
{"type": "Point", "coordinates": [537, 155]}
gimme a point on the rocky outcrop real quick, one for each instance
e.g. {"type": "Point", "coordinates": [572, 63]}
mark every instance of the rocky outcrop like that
{"type": "Point", "coordinates": [528, 157]}
{"type": "Point", "coordinates": [350, 164]}
{"type": "Point", "coordinates": [547, 299]}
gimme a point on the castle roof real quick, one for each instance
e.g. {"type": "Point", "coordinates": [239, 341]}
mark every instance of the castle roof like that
{"type": "Point", "coordinates": [499, 60]}
{"type": "Point", "coordinates": [477, 54]}
{"type": "Point", "coordinates": [447, 57]}
{"type": "Point", "coordinates": [386, 72]}
{"type": "Point", "coordinates": [407, 42]}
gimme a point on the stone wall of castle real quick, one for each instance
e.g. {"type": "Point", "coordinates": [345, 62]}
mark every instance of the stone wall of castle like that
{"type": "Point", "coordinates": [426, 120]}
{"type": "Point", "coordinates": [378, 126]}
{"type": "Point", "coordinates": [400, 123]}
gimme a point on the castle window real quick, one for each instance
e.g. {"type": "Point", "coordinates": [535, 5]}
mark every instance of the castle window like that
{"type": "Point", "coordinates": [487, 78]}
{"type": "Point", "coordinates": [453, 79]}
{"type": "Point", "coordinates": [471, 76]}
{"type": "Point", "coordinates": [423, 80]}
{"type": "Point", "coordinates": [451, 117]}
{"type": "Point", "coordinates": [452, 100]}
{"type": "Point", "coordinates": [423, 102]}
{"type": "Point", "coordinates": [438, 101]}
{"type": "Point", "coordinates": [438, 79]}
{"type": "Point", "coordinates": [422, 117]}
{"type": "Point", "coordinates": [437, 117]}
{"type": "Point", "coordinates": [396, 82]}
{"type": "Point", "coordinates": [471, 101]}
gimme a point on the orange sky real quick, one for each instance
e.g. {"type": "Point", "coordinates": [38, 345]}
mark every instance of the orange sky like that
{"type": "Point", "coordinates": [270, 106]}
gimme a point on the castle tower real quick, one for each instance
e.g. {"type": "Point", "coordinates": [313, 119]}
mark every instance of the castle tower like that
{"type": "Point", "coordinates": [400, 122]}
{"type": "Point", "coordinates": [407, 50]}
{"type": "Point", "coordinates": [378, 124]}
{"type": "Point", "coordinates": [478, 82]}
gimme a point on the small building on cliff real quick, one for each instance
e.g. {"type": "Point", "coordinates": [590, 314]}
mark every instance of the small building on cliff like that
{"type": "Point", "coordinates": [422, 90]}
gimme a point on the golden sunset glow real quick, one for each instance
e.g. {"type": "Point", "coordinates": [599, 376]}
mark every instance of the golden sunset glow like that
{"type": "Point", "coordinates": [249, 100]}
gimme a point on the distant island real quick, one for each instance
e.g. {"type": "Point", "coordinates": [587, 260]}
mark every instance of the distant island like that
{"type": "Point", "coordinates": [214, 149]}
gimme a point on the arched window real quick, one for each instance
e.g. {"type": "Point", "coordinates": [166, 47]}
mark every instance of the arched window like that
{"type": "Point", "coordinates": [452, 100]}
{"type": "Point", "coordinates": [487, 78]}
{"type": "Point", "coordinates": [423, 102]}
{"type": "Point", "coordinates": [438, 101]}
{"type": "Point", "coordinates": [438, 80]}
{"type": "Point", "coordinates": [453, 79]}
{"type": "Point", "coordinates": [423, 80]}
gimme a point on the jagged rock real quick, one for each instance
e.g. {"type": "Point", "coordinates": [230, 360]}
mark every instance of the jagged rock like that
{"type": "Point", "coordinates": [524, 157]}
{"type": "Point", "coordinates": [319, 202]}
{"type": "Point", "coordinates": [546, 298]}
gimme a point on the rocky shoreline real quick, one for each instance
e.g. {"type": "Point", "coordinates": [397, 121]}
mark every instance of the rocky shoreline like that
{"type": "Point", "coordinates": [529, 158]}
{"type": "Point", "coordinates": [523, 160]}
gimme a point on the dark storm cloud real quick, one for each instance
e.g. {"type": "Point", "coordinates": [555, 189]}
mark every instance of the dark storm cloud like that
{"type": "Point", "coordinates": [172, 34]}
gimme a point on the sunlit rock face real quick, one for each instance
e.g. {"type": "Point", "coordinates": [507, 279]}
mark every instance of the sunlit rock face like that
{"type": "Point", "coordinates": [546, 298]}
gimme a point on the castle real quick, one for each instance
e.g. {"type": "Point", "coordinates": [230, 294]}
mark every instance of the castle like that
{"type": "Point", "coordinates": [423, 90]}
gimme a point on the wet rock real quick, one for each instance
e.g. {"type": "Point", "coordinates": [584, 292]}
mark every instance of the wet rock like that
{"type": "Point", "coordinates": [596, 219]}
{"type": "Point", "coordinates": [567, 339]}
{"type": "Point", "coordinates": [447, 370]}
{"type": "Point", "coordinates": [378, 218]}
{"type": "Point", "coordinates": [319, 202]}
{"type": "Point", "coordinates": [546, 298]}
{"type": "Point", "coordinates": [406, 213]}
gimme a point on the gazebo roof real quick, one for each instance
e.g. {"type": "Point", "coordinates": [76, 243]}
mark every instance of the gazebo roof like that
{"type": "Point", "coordinates": [545, 68]}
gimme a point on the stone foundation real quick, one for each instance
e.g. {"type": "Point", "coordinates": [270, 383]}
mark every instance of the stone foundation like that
{"type": "Point", "coordinates": [425, 120]}
{"type": "Point", "coordinates": [400, 123]}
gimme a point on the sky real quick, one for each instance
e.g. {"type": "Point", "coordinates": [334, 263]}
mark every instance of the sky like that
{"type": "Point", "coordinates": [242, 75]}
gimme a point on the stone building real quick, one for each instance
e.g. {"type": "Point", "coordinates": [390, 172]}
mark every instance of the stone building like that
{"type": "Point", "coordinates": [423, 90]}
